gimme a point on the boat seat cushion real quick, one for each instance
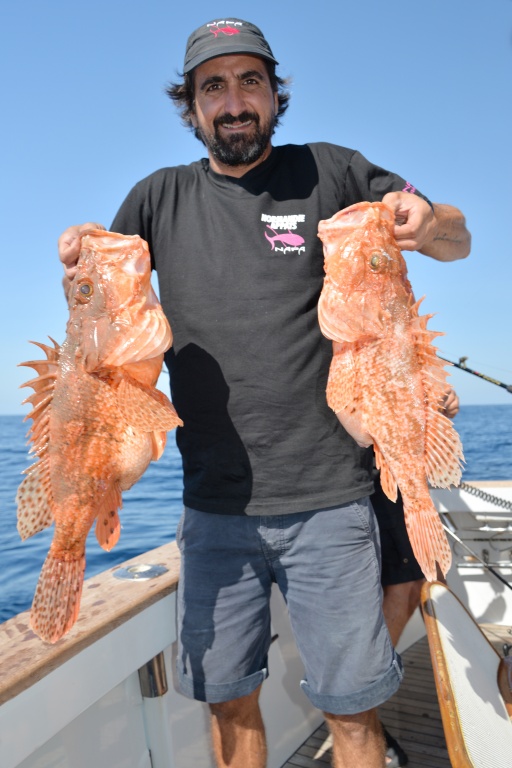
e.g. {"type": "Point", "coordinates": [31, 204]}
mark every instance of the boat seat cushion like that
{"type": "Point", "coordinates": [475, 719]}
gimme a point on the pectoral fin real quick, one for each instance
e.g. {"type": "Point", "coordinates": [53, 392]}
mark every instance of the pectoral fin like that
{"type": "Point", "coordinates": [145, 408]}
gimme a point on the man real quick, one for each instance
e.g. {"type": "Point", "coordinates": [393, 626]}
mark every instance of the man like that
{"type": "Point", "coordinates": [275, 489]}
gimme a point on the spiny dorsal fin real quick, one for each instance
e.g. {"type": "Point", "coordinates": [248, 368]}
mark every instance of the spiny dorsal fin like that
{"type": "Point", "coordinates": [443, 448]}
{"type": "Point", "coordinates": [52, 353]}
{"type": "Point", "coordinates": [39, 434]}
{"type": "Point", "coordinates": [34, 497]}
{"type": "Point", "coordinates": [43, 385]}
{"type": "Point", "coordinates": [443, 451]}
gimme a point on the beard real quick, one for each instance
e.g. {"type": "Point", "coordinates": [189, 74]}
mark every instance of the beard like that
{"type": "Point", "coordinates": [238, 148]}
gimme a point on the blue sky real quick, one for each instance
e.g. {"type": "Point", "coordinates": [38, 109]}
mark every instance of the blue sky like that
{"type": "Point", "coordinates": [423, 88]}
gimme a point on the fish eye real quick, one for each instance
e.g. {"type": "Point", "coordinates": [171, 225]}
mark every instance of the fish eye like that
{"type": "Point", "coordinates": [85, 291]}
{"type": "Point", "coordinates": [375, 261]}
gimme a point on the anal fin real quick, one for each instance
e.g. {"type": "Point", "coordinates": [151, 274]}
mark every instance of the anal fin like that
{"type": "Point", "coordinates": [387, 481]}
{"type": "Point", "coordinates": [158, 442]}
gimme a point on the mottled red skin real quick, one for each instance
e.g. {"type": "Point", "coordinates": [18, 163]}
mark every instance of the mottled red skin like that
{"type": "Point", "coordinates": [386, 383]}
{"type": "Point", "coordinates": [98, 419]}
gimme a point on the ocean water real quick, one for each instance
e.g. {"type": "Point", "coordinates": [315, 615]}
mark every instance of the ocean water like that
{"type": "Point", "coordinates": [152, 508]}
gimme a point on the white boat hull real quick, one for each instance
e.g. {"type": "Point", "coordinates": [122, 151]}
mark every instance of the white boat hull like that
{"type": "Point", "coordinates": [79, 703]}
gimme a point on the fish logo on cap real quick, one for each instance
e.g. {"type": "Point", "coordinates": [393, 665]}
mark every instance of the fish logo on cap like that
{"type": "Point", "coordinates": [227, 30]}
{"type": "Point", "coordinates": [224, 37]}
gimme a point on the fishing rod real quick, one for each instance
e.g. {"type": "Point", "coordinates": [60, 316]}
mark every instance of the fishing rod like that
{"type": "Point", "coordinates": [463, 367]}
{"type": "Point", "coordinates": [486, 565]}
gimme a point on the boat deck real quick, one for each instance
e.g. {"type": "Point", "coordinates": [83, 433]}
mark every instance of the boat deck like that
{"type": "Point", "coordinates": [412, 715]}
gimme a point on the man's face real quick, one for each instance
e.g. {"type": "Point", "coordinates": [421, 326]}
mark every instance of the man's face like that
{"type": "Point", "coordinates": [235, 110]}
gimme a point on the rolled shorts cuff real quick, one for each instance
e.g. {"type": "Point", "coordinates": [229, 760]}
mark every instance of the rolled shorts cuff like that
{"type": "Point", "coordinates": [216, 693]}
{"type": "Point", "coordinates": [361, 701]}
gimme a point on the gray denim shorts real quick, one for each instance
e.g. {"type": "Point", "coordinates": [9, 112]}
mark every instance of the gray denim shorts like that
{"type": "Point", "coordinates": [327, 565]}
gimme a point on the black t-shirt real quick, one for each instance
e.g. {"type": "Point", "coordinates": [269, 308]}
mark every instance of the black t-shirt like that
{"type": "Point", "coordinates": [240, 270]}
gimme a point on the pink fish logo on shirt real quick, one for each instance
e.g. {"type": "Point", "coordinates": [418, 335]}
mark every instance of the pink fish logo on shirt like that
{"type": "Point", "coordinates": [287, 238]}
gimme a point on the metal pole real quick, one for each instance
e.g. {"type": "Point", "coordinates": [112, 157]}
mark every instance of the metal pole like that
{"type": "Point", "coordinates": [486, 565]}
{"type": "Point", "coordinates": [463, 367]}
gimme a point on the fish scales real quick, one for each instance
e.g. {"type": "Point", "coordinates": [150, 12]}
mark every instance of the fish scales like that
{"type": "Point", "coordinates": [98, 419]}
{"type": "Point", "coordinates": [386, 383]}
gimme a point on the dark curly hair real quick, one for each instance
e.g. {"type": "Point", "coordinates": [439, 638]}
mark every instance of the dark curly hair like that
{"type": "Point", "coordinates": [182, 94]}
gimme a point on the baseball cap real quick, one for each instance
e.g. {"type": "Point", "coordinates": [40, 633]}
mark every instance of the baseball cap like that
{"type": "Point", "coordinates": [224, 37]}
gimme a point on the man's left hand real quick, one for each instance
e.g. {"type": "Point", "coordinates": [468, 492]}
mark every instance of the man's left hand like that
{"type": "Point", "coordinates": [414, 219]}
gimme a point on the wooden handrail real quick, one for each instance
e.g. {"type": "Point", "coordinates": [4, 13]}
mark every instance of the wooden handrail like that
{"type": "Point", "coordinates": [107, 602]}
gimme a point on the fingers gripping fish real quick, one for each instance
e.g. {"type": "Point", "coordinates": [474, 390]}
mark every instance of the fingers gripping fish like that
{"type": "Point", "coordinates": [98, 419]}
{"type": "Point", "coordinates": [386, 383]}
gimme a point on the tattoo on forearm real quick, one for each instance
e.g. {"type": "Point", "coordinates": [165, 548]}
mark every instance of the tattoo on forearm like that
{"type": "Point", "coordinates": [447, 238]}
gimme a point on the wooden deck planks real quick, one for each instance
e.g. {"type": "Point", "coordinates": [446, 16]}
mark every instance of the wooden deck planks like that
{"type": "Point", "coordinates": [412, 715]}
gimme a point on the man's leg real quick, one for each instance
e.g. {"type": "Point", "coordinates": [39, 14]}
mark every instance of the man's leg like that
{"type": "Point", "coordinates": [402, 580]}
{"type": "Point", "coordinates": [238, 733]}
{"type": "Point", "coordinates": [358, 741]}
{"type": "Point", "coordinates": [327, 569]}
{"type": "Point", "coordinates": [399, 603]}
{"type": "Point", "coordinates": [224, 629]}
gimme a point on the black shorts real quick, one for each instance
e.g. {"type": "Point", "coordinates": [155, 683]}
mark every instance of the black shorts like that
{"type": "Point", "coordinates": [398, 562]}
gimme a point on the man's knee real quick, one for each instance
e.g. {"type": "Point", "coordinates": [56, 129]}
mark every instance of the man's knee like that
{"type": "Point", "coordinates": [356, 732]}
{"type": "Point", "coordinates": [407, 594]}
{"type": "Point", "coordinates": [237, 710]}
{"type": "Point", "coordinates": [353, 723]}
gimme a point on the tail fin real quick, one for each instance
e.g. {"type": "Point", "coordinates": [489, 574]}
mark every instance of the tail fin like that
{"type": "Point", "coordinates": [57, 598]}
{"type": "Point", "coordinates": [427, 537]}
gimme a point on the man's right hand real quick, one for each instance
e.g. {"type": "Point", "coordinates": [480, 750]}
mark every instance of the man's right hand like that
{"type": "Point", "coordinates": [69, 246]}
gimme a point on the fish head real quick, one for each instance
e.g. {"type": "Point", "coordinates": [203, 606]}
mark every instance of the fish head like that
{"type": "Point", "coordinates": [366, 285]}
{"type": "Point", "coordinates": [115, 316]}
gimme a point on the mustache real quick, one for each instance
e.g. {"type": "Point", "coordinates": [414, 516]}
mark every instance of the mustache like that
{"type": "Point", "coordinates": [228, 119]}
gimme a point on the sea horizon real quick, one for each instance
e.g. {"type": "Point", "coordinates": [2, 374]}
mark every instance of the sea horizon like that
{"type": "Point", "coordinates": [152, 508]}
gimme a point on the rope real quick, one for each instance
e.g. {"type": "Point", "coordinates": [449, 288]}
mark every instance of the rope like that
{"type": "Point", "coordinates": [487, 496]}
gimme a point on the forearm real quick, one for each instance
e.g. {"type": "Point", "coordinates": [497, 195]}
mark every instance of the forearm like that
{"type": "Point", "coordinates": [449, 240]}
